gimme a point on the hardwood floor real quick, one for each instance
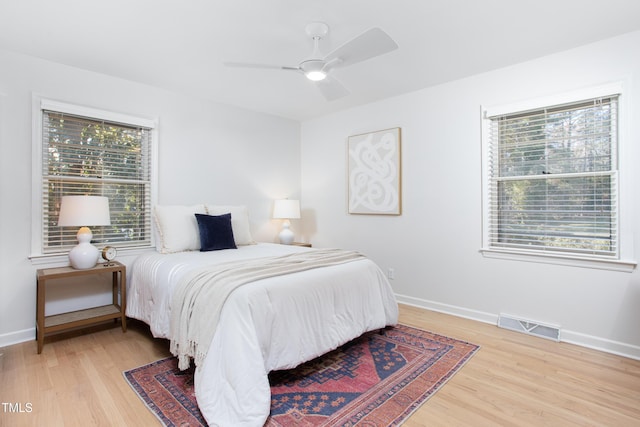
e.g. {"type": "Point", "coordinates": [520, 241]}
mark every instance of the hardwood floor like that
{"type": "Point", "coordinates": [514, 380]}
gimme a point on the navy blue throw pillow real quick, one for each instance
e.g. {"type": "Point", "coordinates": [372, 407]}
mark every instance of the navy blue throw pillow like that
{"type": "Point", "coordinates": [215, 232]}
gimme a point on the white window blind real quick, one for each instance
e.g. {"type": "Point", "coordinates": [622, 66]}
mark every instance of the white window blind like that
{"type": "Point", "coordinates": [553, 180]}
{"type": "Point", "coordinates": [88, 156]}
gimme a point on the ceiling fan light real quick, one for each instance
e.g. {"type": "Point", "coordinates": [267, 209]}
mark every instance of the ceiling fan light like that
{"type": "Point", "coordinates": [314, 69]}
{"type": "Point", "coordinates": [316, 76]}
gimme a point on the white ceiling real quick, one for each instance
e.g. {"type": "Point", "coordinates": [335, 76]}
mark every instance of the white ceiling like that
{"type": "Point", "coordinates": [181, 44]}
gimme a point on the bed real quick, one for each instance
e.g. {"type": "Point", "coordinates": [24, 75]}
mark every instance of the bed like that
{"type": "Point", "coordinates": [272, 323]}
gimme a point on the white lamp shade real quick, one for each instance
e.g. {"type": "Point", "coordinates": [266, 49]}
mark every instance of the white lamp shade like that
{"type": "Point", "coordinates": [84, 211]}
{"type": "Point", "coordinates": [286, 209]}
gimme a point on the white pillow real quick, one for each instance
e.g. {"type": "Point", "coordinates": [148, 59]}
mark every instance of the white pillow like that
{"type": "Point", "coordinates": [239, 222]}
{"type": "Point", "coordinates": [178, 228]}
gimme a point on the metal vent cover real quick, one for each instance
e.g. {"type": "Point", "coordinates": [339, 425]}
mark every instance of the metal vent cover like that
{"type": "Point", "coordinates": [530, 327]}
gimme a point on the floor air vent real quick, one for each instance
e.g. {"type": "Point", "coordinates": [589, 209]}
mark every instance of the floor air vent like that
{"type": "Point", "coordinates": [530, 327]}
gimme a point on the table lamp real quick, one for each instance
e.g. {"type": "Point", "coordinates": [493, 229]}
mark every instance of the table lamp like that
{"type": "Point", "coordinates": [83, 211]}
{"type": "Point", "coordinates": [286, 209]}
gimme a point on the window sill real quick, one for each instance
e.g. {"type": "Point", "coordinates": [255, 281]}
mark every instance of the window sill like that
{"type": "Point", "coordinates": [62, 260]}
{"type": "Point", "coordinates": [626, 266]}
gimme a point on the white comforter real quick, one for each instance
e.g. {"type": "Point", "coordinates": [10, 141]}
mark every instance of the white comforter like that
{"type": "Point", "coordinates": [271, 324]}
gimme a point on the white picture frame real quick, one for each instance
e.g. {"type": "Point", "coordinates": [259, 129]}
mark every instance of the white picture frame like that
{"type": "Point", "coordinates": [375, 172]}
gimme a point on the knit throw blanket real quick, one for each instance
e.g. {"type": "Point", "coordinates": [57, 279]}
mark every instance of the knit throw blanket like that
{"type": "Point", "coordinates": [201, 294]}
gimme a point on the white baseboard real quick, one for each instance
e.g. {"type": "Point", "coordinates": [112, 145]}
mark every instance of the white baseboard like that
{"type": "Point", "coordinates": [466, 313]}
{"type": "Point", "coordinates": [571, 337]}
{"type": "Point", "coordinates": [17, 337]}
{"type": "Point", "coordinates": [597, 343]}
{"type": "Point", "coordinates": [602, 344]}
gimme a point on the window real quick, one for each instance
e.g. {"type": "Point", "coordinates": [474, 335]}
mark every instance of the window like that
{"type": "Point", "coordinates": [90, 152]}
{"type": "Point", "coordinates": [551, 180]}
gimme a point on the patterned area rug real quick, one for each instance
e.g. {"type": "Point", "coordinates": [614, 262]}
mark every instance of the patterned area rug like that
{"type": "Point", "coordinates": [375, 380]}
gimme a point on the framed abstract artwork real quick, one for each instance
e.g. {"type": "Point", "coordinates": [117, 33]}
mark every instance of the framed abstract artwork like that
{"type": "Point", "coordinates": [375, 173]}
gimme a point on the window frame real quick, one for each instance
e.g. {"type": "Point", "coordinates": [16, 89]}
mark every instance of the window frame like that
{"type": "Point", "coordinates": [624, 261]}
{"type": "Point", "coordinates": [39, 104]}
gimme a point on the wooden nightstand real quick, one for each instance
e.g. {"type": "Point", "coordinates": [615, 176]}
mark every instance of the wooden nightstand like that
{"type": "Point", "coordinates": [306, 245]}
{"type": "Point", "coordinates": [60, 322]}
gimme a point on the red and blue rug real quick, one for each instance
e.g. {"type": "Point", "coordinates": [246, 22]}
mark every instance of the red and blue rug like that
{"type": "Point", "coordinates": [376, 379]}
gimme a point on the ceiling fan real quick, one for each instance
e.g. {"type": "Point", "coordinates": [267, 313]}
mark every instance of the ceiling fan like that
{"type": "Point", "coordinates": [371, 43]}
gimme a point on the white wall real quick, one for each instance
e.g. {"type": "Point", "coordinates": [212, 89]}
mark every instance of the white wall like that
{"type": "Point", "coordinates": [207, 153]}
{"type": "Point", "coordinates": [434, 245]}
{"type": "Point", "coordinates": [213, 153]}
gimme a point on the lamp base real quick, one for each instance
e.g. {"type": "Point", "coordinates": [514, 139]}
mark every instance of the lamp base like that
{"type": "Point", "coordinates": [84, 255]}
{"type": "Point", "coordinates": [286, 235]}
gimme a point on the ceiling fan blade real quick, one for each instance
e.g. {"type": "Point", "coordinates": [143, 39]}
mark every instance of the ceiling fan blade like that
{"type": "Point", "coordinates": [331, 88]}
{"type": "Point", "coordinates": [263, 66]}
{"type": "Point", "coordinates": [371, 43]}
